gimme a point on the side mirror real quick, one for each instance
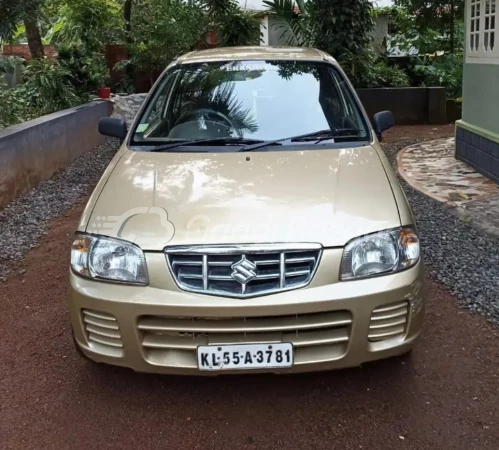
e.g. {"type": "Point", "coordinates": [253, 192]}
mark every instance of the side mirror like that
{"type": "Point", "coordinates": [383, 121]}
{"type": "Point", "coordinates": [110, 126]}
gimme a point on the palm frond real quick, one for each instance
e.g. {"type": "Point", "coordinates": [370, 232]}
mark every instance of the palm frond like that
{"type": "Point", "coordinates": [212, 89]}
{"type": "Point", "coordinates": [290, 18]}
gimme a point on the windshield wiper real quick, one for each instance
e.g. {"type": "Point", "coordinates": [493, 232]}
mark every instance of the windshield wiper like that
{"type": "Point", "coordinates": [216, 141]}
{"type": "Point", "coordinates": [323, 135]}
{"type": "Point", "coordinates": [317, 136]}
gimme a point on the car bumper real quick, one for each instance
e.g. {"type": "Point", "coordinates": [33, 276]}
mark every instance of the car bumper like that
{"type": "Point", "coordinates": [331, 326]}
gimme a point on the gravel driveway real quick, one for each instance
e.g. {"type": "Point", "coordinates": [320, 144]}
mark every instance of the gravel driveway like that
{"type": "Point", "coordinates": [444, 397]}
{"type": "Point", "coordinates": [462, 258]}
{"type": "Point", "coordinates": [24, 220]}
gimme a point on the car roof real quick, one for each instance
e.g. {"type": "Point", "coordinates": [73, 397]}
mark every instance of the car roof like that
{"type": "Point", "coordinates": [255, 53]}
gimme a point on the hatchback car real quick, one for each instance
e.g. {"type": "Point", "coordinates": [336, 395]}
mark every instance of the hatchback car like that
{"type": "Point", "coordinates": [250, 221]}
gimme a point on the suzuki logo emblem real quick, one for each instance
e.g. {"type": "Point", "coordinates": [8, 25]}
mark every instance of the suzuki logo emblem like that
{"type": "Point", "coordinates": [244, 270]}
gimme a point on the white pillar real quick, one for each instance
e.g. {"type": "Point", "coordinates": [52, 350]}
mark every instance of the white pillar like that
{"type": "Point", "coordinates": [264, 27]}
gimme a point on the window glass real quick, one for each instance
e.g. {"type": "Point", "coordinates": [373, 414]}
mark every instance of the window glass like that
{"type": "Point", "coordinates": [263, 100]}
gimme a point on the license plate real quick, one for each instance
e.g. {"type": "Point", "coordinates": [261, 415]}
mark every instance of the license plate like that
{"type": "Point", "coordinates": [245, 356]}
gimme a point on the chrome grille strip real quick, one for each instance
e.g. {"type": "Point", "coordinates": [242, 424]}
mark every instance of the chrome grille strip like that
{"type": "Point", "coordinates": [316, 336]}
{"type": "Point", "coordinates": [101, 329]}
{"type": "Point", "coordinates": [282, 270]}
{"type": "Point", "coordinates": [243, 270]}
{"type": "Point", "coordinates": [245, 325]}
{"type": "Point", "coordinates": [100, 323]}
{"type": "Point", "coordinates": [302, 339]}
{"type": "Point", "coordinates": [205, 272]}
{"type": "Point", "coordinates": [188, 263]}
{"type": "Point", "coordinates": [389, 321]}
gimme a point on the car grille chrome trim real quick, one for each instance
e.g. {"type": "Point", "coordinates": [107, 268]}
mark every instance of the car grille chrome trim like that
{"type": "Point", "coordinates": [316, 337]}
{"type": "Point", "coordinates": [389, 321]}
{"type": "Point", "coordinates": [243, 270]}
{"type": "Point", "coordinates": [101, 329]}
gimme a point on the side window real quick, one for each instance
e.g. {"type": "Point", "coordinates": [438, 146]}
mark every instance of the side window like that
{"type": "Point", "coordinates": [354, 120]}
{"type": "Point", "coordinates": [153, 120]}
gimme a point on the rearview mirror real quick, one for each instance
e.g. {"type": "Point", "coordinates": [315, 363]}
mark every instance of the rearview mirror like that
{"type": "Point", "coordinates": [383, 121]}
{"type": "Point", "coordinates": [114, 127]}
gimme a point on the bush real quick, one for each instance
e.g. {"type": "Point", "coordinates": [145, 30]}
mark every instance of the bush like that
{"type": "Point", "coordinates": [368, 70]}
{"type": "Point", "coordinates": [8, 64]}
{"type": "Point", "coordinates": [162, 31]}
{"type": "Point", "coordinates": [239, 28]}
{"type": "Point", "coordinates": [384, 75]}
{"type": "Point", "coordinates": [88, 70]}
{"type": "Point", "coordinates": [233, 25]}
{"type": "Point", "coordinates": [12, 110]}
{"type": "Point", "coordinates": [445, 71]}
{"type": "Point", "coordinates": [47, 88]}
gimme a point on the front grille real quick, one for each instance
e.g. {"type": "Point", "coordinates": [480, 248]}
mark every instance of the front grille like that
{"type": "Point", "coordinates": [316, 337]}
{"type": "Point", "coordinates": [103, 331]}
{"type": "Point", "coordinates": [389, 321]}
{"type": "Point", "coordinates": [243, 271]}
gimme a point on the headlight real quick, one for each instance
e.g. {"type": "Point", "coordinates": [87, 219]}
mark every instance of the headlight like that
{"type": "Point", "coordinates": [103, 258]}
{"type": "Point", "coordinates": [380, 253]}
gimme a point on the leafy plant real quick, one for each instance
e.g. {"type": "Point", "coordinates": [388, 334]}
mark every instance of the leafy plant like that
{"type": "Point", "coordinates": [233, 25]}
{"type": "Point", "coordinates": [342, 28]}
{"type": "Point", "coordinates": [176, 29]}
{"type": "Point", "coordinates": [445, 71]}
{"type": "Point", "coordinates": [293, 20]}
{"type": "Point", "coordinates": [11, 111]}
{"type": "Point", "coordinates": [239, 28]}
{"type": "Point", "coordinates": [8, 64]}
{"type": "Point", "coordinates": [79, 35]}
{"type": "Point", "coordinates": [435, 26]}
{"type": "Point", "coordinates": [88, 70]}
{"type": "Point", "coordinates": [12, 13]}
{"type": "Point", "coordinates": [47, 88]}
{"type": "Point", "coordinates": [341, 25]}
{"type": "Point", "coordinates": [91, 23]}
{"type": "Point", "coordinates": [335, 26]}
{"type": "Point", "coordinates": [369, 70]}
{"type": "Point", "coordinates": [440, 16]}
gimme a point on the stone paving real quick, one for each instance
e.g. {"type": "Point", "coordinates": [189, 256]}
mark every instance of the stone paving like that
{"type": "Point", "coordinates": [127, 106]}
{"type": "Point", "coordinates": [430, 167]}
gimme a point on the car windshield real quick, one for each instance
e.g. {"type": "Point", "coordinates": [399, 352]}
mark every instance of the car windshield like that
{"type": "Point", "coordinates": [250, 100]}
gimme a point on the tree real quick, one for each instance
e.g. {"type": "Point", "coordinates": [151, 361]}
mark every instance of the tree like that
{"type": "Point", "coordinates": [163, 30]}
{"type": "Point", "coordinates": [339, 27]}
{"type": "Point", "coordinates": [438, 15]}
{"type": "Point", "coordinates": [127, 16]}
{"type": "Point", "coordinates": [233, 25]}
{"type": "Point", "coordinates": [34, 37]}
{"type": "Point", "coordinates": [12, 13]}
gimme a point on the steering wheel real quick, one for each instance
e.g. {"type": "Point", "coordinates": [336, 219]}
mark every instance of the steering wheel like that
{"type": "Point", "coordinates": [204, 112]}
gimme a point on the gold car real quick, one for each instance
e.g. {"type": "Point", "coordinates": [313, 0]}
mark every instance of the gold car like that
{"type": "Point", "coordinates": [249, 222]}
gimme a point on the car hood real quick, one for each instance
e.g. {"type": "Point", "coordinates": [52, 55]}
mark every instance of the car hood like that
{"type": "Point", "coordinates": [313, 196]}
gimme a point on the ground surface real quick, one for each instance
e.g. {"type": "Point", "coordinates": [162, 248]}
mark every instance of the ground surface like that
{"type": "Point", "coordinates": [445, 397]}
{"type": "Point", "coordinates": [432, 168]}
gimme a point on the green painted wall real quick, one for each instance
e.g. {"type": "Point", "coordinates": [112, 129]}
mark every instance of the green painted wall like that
{"type": "Point", "coordinates": [481, 96]}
